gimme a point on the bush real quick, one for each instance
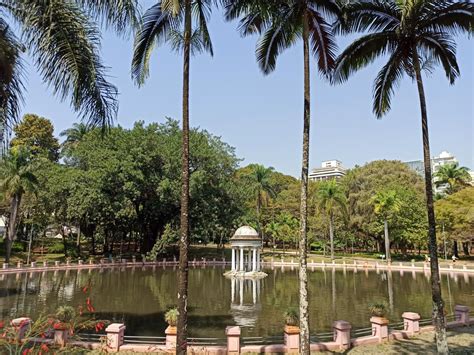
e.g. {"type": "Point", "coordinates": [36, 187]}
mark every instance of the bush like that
{"type": "Point", "coordinates": [171, 317]}
{"type": "Point", "coordinates": [378, 309]}
{"type": "Point", "coordinates": [291, 317]}
{"type": "Point", "coordinates": [65, 314]}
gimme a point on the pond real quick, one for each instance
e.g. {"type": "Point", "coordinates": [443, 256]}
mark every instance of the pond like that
{"type": "Point", "coordinates": [140, 296]}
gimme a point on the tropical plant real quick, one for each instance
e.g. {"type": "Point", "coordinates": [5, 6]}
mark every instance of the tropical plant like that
{"type": "Point", "coordinates": [280, 24]}
{"type": "Point", "coordinates": [378, 309]}
{"type": "Point", "coordinates": [65, 314]}
{"type": "Point", "coordinates": [291, 317]}
{"type": "Point", "coordinates": [172, 21]}
{"type": "Point", "coordinates": [415, 34]}
{"type": "Point", "coordinates": [17, 177]}
{"type": "Point", "coordinates": [171, 317]}
{"type": "Point", "coordinates": [63, 43]}
{"type": "Point", "coordinates": [74, 135]}
{"type": "Point", "coordinates": [452, 175]}
{"type": "Point", "coordinates": [331, 196]}
{"type": "Point", "coordinates": [386, 204]}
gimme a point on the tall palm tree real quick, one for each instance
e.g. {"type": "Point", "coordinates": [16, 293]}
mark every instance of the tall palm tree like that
{"type": "Point", "coordinates": [262, 188]}
{"type": "Point", "coordinates": [171, 21]}
{"type": "Point", "coordinates": [386, 203]}
{"type": "Point", "coordinates": [453, 175]}
{"type": "Point", "coordinates": [16, 178]}
{"type": "Point", "coordinates": [74, 135]}
{"type": "Point", "coordinates": [331, 196]}
{"type": "Point", "coordinates": [280, 23]}
{"type": "Point", "coordinates": [63, 43]}
{"type": "Point", "coordinates": [414, 34]}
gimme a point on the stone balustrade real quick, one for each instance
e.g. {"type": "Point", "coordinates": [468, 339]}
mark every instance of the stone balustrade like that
{"type": "Point", "coordinates": [115, 335]}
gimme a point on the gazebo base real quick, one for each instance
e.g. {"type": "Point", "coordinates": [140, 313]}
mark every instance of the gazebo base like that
{"type": "Point", "coordinates": [245, 274]}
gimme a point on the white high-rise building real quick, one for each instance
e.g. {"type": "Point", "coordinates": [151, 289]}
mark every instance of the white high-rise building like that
{"type": "Point", "coordinates": [330, 169]}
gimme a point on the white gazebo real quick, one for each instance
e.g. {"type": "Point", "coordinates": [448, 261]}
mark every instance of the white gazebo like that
{"type": "Point", "coordinates": [246, 245]}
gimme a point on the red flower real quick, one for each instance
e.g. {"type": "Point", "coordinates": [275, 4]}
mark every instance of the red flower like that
{"type": "Point", "coordinates": [81, 310]}
{"type": "Point", "coordinates": [90, 307]}
{"type": "Point", "coordinates": [99, 326]}
{"type": "Point", "coordinates": [2, 324]}
{"type": "Point", "coordinates": [26, 351]}
{"type": "Point", "coordinates": [44, 348]}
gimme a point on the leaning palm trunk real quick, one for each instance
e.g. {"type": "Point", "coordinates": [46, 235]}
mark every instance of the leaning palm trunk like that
{"type": "Point", "coordinates": [181, 341]}
{"type": "Point", "coordinates": [331, 234]}
{"type": "Point", "coordinates": [438, 304]}
{"type": "Point", "coordinates": [11, 234]}
{"type": "Point", "coordinates": [303, 276]}
{"type": "Point", "coordinates": [387, 241]}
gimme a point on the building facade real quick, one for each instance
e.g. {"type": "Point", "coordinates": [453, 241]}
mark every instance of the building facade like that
{"type": "Point", "coordinates": [330, 169]}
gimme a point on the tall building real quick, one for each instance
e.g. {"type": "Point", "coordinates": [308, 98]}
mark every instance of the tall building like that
{"type": "Point", "coordinates": [330, 169]}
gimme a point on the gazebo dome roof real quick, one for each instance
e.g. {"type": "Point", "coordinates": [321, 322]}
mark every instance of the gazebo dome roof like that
{"type": "Point", "coordinates": [245, 233]}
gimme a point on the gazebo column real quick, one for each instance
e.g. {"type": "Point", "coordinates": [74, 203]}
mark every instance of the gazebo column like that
{"type": "Point", "coordinates": [258, 259]}
{"type": "Point", "coordinates": [233, 259]}
{"type": "Point", "coordinates": [249, 260]}
{"type": "Point", "coordinates": [241, 268]}
{"type": "Point", "coordinates": [254, 259]}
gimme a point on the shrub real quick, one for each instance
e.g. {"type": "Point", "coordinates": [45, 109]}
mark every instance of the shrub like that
{"type": "Point", "coordinates": [171, 317]}
{"type": "Point", "coordinates": [65, 314]}
{"type": "Point", "coordinates": [291, 317]}
{"type": "Point", "coordinates": [378, 309]}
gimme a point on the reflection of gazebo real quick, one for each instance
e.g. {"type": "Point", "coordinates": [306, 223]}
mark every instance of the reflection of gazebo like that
{"type": "Point", "coordinates": [246, 246]}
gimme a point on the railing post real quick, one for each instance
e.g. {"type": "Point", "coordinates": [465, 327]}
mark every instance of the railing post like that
{"type": "Point", "coordinates": [233, 339]}
{"type": "Point", "coordinates": [379, 328]}
{"type": "Point", "coordinates": [45, 264]}
{"type": "Point", "coordinates": [411, 322]}
{"type": "Point", "coordinates": [61, 336]}
{"type": "Point", "coordinates": [171, 334]}
{"type": "Point", "coordinates": [462, 314]}
{"type": "Point", "coordinates": [5, 266]}
{"type": "Point", "coordinates": [115, 333]}
{"type": "Point", "coordinates": [21, 326]}
{"type": "Point", "coordinates": [292, 339]}
{"type": "Point", "coordinates": [342, 334]}
{"type": "Point", "coordinates": [33, 264]}
{"type": "Point", "coordinates": [56, 263]}
{"type": "Point", "coordinates": [19, 265]}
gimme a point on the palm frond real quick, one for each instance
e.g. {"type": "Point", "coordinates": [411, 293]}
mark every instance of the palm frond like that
{"type": "Point", "coordinates": [154, 28]}
{"type": "Point", "coordinates": [361, 53]}
{"type": "Point", "coordinates": [120, 15]}
{"type": "Point", "coordinates": [278, 37]}
{"type": "Point", "coordinates": [441, 49]}
{"type": "Point", "coordinates": [323, 43]}
{"type": "Point", "coordinates": [65, 48]}
{"type": "Point", "coordinates": [202, 11]}
{"type": "Point", "coordinates": [448, 16]}
{"type": "Point", "coordinates": [386, 82]}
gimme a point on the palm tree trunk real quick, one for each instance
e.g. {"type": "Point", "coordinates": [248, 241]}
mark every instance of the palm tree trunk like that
{"type": "Point", "coordinates": [387, 242]}
{"type": "Point", "coordinates": [181, 341]}
{"type": "Point", "coordinates": [13, 221]}
{"type": "Point", "coordinates": [331, 234]}
{"type": "Point", "coordinates": [303, 276]}
{"type": "Point", "coordinates": [438, 304]}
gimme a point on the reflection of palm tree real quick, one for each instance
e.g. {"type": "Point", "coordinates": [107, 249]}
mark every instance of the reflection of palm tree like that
{"type": "Point", "coordinates": [453, 175]}
{"type": "Point", "coordinates": [415, 35]}
{"type": "Point", "coordinates": [330, 196]}
{"type": "Point", "coordinates": [386, 203]}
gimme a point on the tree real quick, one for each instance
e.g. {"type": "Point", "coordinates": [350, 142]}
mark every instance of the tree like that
{"type": "Point", "coordinates": [172, 21]}
{"type": "Point", "coordinates": [74, 136]}
{"type": "Point", "coordinates": [415, 35]}
{"type": "Point", "coordinates": [386, 203]}
{"type": "Point", "coordinates": [280, 24]}
{"type": "Point", "coordinates": [331, 195]}
{"type": "Point", "coordinates": [16, 178]}
{"type": "Point", "coordinates": [36, 134]}
{"type": "Point", "coordinates": [452, 175]}
{"type": "Point", "coordinates": [63, 43]}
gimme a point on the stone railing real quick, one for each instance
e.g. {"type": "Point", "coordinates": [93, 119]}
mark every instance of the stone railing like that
{"type": "Point", "coordinates": [203, 262]}
{"type": "Point", "coordinates": [342, 339]}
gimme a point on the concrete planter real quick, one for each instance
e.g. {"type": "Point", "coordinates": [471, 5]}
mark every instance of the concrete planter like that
{"type": "Point", "coordinates": [115, 333]}
{"type": "Point", "coordinates": [342, 334]}
{"type": "Point", "coordinates": [379, 328]}
{"type": "Point", "coordinates": [61, 334]}
{"type": "Point", "coordinates": [171, 333]}
{"type": "Point", "coordinates": [292, 338]}
{"type": "Point", "coordinates": [411, 322]}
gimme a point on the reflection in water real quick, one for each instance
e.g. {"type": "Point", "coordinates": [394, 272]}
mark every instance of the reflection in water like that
{"type": "Point", "coordinates": [140, 296]}
{"type": "Point", "coordinates": [245, 301]}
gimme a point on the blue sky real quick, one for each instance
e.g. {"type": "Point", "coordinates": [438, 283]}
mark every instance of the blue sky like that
{"type": "Point", "coordinates": [261, 116]}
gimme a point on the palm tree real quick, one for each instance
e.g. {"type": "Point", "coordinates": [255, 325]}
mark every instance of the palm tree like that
{"type": "Point", "coordinates": [331, 196]}
{"type": "Point", "coordinates": [172, 21]}
{"type": "Point", "coordinates": [453, 175]}
{"type": "Point", "coordinates": [74, 135]}
{"type": "Point", "coordinates": [63, 43]}
{"type": "Point", "coordinates": [415, 34]}
{"type": "Point", "coordinates": [280, 24]}
{"type": "Point", "coordinates": [386, 203]}
{"type": "Point", "coordinates": [262, 187]}
{"type": "Point", "coordinates": [16, 178]}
